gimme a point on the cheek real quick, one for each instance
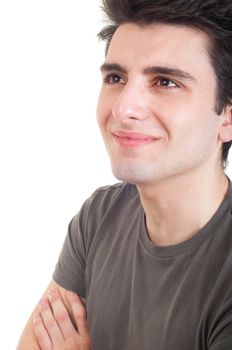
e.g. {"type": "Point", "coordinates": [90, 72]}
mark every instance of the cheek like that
{"type": "Point", "coordinates": [198, 133]}
{"type": "Point", "coordinates": [100, 111]}
{"type": "Point", "coordinates": [103, 113]}
{"type": "Point", "coordinates": [172, 120]}
{"type": "Point", "coordinates": [103, 109]}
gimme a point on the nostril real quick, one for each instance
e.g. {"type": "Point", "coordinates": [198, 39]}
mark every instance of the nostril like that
{"type": "Point", "coordinates": [130, 113]}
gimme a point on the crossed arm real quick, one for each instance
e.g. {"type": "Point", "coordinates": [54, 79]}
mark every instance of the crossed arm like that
{"type": "Point", "coordinates": [59, 322]}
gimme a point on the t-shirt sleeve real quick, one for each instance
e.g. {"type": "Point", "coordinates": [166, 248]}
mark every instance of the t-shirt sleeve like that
{"type": "Point", "coordinates": [70, 269]}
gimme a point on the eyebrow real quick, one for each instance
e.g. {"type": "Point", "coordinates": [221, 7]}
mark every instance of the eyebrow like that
{"type": "Point", "coordinates": [109, 67]}
{"type": "Point", "coordinates": [169, 71]}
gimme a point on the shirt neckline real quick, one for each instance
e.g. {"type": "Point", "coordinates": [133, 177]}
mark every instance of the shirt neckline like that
{"type": "Point", "coordinates": [191, 243]}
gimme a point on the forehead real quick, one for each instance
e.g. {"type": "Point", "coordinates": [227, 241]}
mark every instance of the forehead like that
{"type": "Point", "coordinates": [160, 44]}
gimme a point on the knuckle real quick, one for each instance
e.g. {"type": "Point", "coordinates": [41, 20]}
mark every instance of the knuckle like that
{"type": "Point", "coordinates": [61, 316]}
{"type": "Point", "coordinates": [81, 313]}
{"type": "Point", "coordinates": [50, 323]}
{"type": "Point", "coordinates": [39, 335]}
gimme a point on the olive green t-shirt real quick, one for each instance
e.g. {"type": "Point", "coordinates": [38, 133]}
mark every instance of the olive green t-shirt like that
{"type": "Point", "coordinates": [144, 297]}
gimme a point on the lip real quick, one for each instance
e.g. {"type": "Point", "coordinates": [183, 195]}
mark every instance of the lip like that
{"type": "Point", "coordinates": [133, 139]}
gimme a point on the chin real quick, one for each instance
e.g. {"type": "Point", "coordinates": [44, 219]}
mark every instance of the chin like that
{"type": "Point", "coordinates": [133, 174]}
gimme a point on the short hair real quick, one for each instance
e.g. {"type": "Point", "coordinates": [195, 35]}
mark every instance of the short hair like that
{"type": "Point", "coordinates": [213, 17]}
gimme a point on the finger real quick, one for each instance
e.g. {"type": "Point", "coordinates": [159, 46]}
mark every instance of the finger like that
{"type": "Point", "coordinates": [41, 333]}
{"type": "Point", "coordinates": [79, 313]}
{"type": "Point", "coordinates": [50, 323]}
{"type": "Point", "coordinates": [61, 314]}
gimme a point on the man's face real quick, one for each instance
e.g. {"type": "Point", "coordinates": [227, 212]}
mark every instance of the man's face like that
{"type": "Point", "coordinates": [156, 106]}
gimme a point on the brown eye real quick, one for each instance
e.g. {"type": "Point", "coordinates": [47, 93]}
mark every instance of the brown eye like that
{"type": "Point", "coordinates": [164, 82]}
{"type": "Point", "coordinates": [112, 79]}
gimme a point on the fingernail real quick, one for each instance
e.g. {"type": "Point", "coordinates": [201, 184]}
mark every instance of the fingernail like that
{"type": "Point", "coordinates": [50, 295]}
{"type": "Point", "coordinates": [53, 294]}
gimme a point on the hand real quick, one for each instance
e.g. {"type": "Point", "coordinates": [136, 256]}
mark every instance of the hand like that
{"type": "Point", "coordinates": [54, 329]}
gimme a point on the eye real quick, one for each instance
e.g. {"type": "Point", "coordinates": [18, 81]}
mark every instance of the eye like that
{"type": "Point", "coordinates": [166, 83]}
{"type": "Point", "coordinates": [113, 79]}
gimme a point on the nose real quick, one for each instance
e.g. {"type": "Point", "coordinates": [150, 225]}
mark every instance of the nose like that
{"type": "Point", "coordinates": [132, 104]}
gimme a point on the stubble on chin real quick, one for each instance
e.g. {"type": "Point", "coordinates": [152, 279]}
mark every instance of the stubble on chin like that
{"type": "Point", "coordinates": [131, 172]}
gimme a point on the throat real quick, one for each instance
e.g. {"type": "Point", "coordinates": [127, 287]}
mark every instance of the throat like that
{"type": "Point", "coordinates": [172, 232]}
{"type": "Point", "coordinates": [180, 214]}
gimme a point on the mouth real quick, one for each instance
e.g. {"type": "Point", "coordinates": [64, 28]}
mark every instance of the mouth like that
{"type": "Point", "coordinates": [133, 139]}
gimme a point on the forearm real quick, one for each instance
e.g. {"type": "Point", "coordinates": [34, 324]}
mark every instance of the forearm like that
{"type": "Point", "coordinates": [27, 340]}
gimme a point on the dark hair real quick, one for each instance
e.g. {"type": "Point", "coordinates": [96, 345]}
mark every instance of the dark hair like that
{"type": "Point", "coordinates": [214, 17]}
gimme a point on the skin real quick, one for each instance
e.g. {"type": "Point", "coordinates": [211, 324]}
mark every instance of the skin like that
{"type": "Point", "coordinates": [175, 159]}
{"type": "Point", "coordinates": [55, 329]}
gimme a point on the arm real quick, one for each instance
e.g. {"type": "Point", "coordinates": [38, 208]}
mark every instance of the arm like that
{"type": "Point", "coordinates": [58, 310]}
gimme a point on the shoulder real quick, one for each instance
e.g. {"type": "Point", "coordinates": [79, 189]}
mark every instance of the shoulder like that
{"type": "Point", "coordinates": [115, 192]}
{"type": "Point", "coordinates": [104, 209]}
{"type": "Point", "coordinates": [107, 199]}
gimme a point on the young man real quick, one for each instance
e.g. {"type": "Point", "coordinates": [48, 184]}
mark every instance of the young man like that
{"type": "Point", "coordinates": [152, 255]}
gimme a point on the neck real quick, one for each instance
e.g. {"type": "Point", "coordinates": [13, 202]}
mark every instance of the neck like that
{"type": "Point", "coordinates": [178, 207]}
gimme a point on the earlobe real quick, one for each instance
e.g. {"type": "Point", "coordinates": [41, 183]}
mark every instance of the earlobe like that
{"type": "Point", "coordinates": [225, 134]}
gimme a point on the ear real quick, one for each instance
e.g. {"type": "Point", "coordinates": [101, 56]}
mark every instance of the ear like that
{"type": "Point", "coordinates": [225, 133]}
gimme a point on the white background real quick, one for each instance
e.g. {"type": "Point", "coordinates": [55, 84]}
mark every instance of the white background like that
{"type": "Point", "coordinates": [51, 153]}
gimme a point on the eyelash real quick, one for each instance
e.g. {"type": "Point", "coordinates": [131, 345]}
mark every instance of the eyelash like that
{"type": "Point", "coordinates": [108, 80]}
{"type": "Point", "coordinates": [167, 80]}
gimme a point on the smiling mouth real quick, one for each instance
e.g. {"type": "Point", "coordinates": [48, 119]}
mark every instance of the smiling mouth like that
{"type": "Point", "coordinates": [133, 139]}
